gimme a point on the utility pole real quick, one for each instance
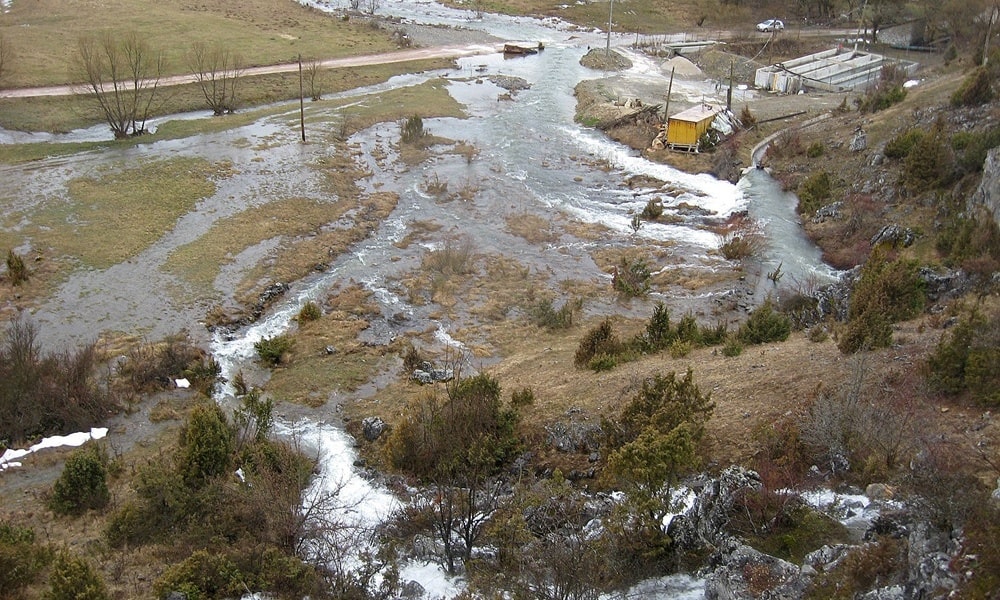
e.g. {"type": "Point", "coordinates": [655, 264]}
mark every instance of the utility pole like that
{"type": "Point", "coordinates": [666, 106]}
{"type": "Point", "coordinates": [611, 12]}
{"type": "Point", "coordinates": [729, 94]}
{"type": "Point", "coordinates": [302, 103]}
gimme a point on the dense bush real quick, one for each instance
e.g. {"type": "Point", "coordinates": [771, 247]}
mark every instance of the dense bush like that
{"type": "Point", "coordinates": [972, 242]}
{"type": "Point", "coordinates": [966, 359]}
{"type": "Point", "coordinates": [970, 148]}
{"type": "Point", "coordinates": [659, 334]}
{"type": "Point", "coordinates": [814, 193]}
{"type": "Point", "coordinates": [929, 163]}
{"type": "Point", "coordinates": [412, 130]}
{"type": "Point", "coordinates": [310, 311]}
{"type": "Point", "coordinates": [21, 558]}
{"type": "Point", "coordinates": [631, 277]}
{"type": "Point", "coordinates": [599, 340]}
{"type": "Point", "coordinates": [46, 394]}
{"type": "Point", "coordinates": [866, 331]}
{"type": "Point", "coordinates": [252, 521]}
{"type": "Point", "coordinates": [202, 576]}
{"type": "Point", "coordinates": [544, 314]}
{"type": "Point", "coordinates": [273, 350]}
{"type": "Point", "coordinates": [732, 347]}
{"type": "Point", "coordinates": [653, 209]}
{"type": "Point", "coordinates": [886, 292]}
{"type": "Point", "coordinates": [901, 145]}
{"type": "Point", "coordinates": [73, 578]}
{"type": "Point", "coordinates": [17, 271]}
{"type": "Point", "coordinates": [82, 484]}
{"type": "Point", "coordinates": [206, 445]}
{"type": "Point", "coordinates": [469, 432]}
{"type": "Point", "coordinates": [651, 445]}
{"type": "Point", "coordinates": [765, 325]}
{"type": "Point", "coordinates": [149, 367]}
{"type": "Point", "coordinates": [976, 89]}
{"type": "Point", "coordinates": [815, 150]}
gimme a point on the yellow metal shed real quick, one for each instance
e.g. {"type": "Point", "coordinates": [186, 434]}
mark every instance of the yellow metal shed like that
{"type": "Point", "coordinates": [686, 127]}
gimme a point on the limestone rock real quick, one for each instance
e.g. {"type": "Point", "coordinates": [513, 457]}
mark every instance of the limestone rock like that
{"type": "Point", "coordinates": [373, 428]}
{"type": "Point", "coordinates": [988, 194]}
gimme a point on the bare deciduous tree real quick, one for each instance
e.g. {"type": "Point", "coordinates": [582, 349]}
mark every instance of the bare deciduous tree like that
{"type": "Point", "coordinates": [122, 72]}
{"type": "Point", "coordinates": [313, 80]}
{"type": "Point", "coordinates": [217, 72]}
{"type": "Point", "coordinates": [371, 6]}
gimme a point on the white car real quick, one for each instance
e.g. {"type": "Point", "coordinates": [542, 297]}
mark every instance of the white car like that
{"type": "Point", "coordinates": [770, 25]}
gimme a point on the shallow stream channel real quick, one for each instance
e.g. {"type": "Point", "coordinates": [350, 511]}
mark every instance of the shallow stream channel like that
{"type": "Point", "coordinates": [532, 158]}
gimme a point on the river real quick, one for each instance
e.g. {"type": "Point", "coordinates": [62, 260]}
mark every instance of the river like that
{"type": "Point", "coordinates": [532, 158]}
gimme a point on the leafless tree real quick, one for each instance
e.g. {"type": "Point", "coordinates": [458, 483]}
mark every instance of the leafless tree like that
{"type": "Point", "coordinates": [122, 73]}
{"type": "Point", "coordinates": [371, 6]}
{"type": "Point", "coordinates": [355, 4]}
{"type": "Point", "coordinates": [217, 71]}
{"type": "Point", "coordinates": [314, 82]}
{"type": "Point", "coordinates": [863, 418]}
{"type": "Point", "coordinates": [6, 54]}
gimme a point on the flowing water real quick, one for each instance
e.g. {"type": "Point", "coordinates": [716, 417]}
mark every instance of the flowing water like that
{"type": "Point", "coordinates": [532, 158]}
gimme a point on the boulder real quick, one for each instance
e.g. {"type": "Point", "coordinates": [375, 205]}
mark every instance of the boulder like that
{"type": "Point", "coordinates": [373, 428]}
{"type": "Point", "coordinates": [860, 140]}
{"type": "Point", "coordinates": [412, 589]}
{"type": "Point", "coordinates": [705, 523]}
{"type": "Point", "coordinates": [583, 438]}
{"type": "Point", "coordinates": [895, 236]}
{"type": "Point", "coordinates": [743, 572]}
{"type": "Point", "coordinates": [987, 196]}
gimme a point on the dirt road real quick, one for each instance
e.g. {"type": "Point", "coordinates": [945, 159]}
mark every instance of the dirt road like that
{"type": "Point", "coordinates": [335, 63]}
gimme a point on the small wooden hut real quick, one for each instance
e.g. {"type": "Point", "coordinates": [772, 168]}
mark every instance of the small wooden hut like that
{"type": "Point", "coordinates": [686, 127]}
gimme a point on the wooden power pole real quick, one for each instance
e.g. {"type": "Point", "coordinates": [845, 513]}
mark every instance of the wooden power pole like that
{"type": "Point", "coordinates": [302, 103]}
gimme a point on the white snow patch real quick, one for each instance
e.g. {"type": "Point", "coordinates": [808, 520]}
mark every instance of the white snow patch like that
{"type": "Point", "coordinates": [849, 509]}
{"type": "Point", "coordinates": [73, 440]}
{"type": "Point", "coordinates": [434, 580]}
{"type": "Point", "coordinates": [683, 499]}
{"type": "Point", "coordinates": [911, 83]}
{"type": "Point", "coordinates": [671, 587]}
{"type": "Point", "coordinates": [182, 383]}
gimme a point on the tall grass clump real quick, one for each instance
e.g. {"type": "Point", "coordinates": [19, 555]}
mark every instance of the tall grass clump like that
{"type": "Point", "coordinates": [273, 351]}
{"type": "Point", "coordinates": [17, 271]}
{"type": "Point", "coordinates": [412, 131]}
{"type": "Point", "coordinates": [630, 277]}
{"type": "Point", "coordinates": [743, 238]}
{"type": "Point", "coordinates": [544, 314]}
{"type": "Point", "coordinates": [599, 341]}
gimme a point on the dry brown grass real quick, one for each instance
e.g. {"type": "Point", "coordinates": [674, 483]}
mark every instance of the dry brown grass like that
{"type": "Point", "coordinates": [533, 228]}
{"type": "Point", "coordinates": [98, 225]}
{"type": "Point", "coordinates": [312, 376]}
{"type": "Point", "coordinates": [299, 256]}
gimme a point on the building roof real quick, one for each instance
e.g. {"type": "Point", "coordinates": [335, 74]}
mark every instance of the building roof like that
{"type": "Point", "coordinates": [697, 114]}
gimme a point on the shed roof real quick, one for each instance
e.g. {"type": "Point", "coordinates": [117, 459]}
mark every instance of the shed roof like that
{"type": "Point", "coordinates": [697, 114]}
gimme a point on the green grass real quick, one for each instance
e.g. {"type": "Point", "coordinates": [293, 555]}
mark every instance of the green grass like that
{"type": "Point", "coordinates": [200, 261]}
{"type": "Point", "coordinates": [65, 113]}
{"type": "Point", "coordinates": [44, 33]}
{"type": "Point", "coordinates": [644, 16]}
{"type": "Point", "coordinates": [112, 218]}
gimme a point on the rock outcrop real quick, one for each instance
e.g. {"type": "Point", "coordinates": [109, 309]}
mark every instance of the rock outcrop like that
{"type": "Point", "coordinates": [988, 194]}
